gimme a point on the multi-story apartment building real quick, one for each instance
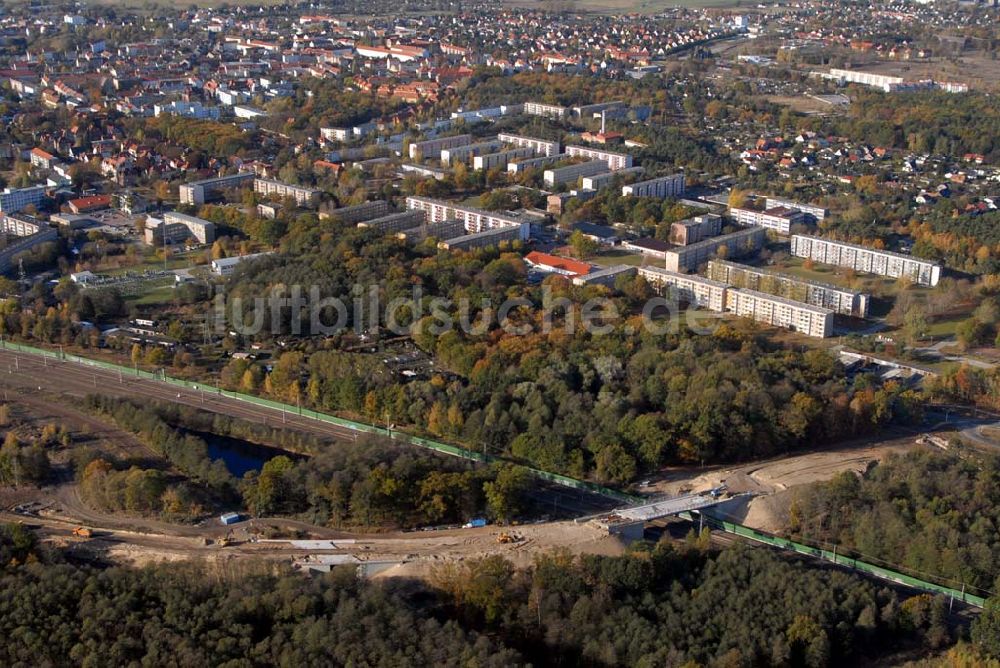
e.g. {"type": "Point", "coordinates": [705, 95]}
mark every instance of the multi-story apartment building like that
{"type": "Point", "coordinates": [521, 166]}
{"type": "Point", "coordinates": [178, 228]}
{"type": "Point", "coordinates": [476, 220]}
{"type": "Point", "coordinates": [662, 188]}
{"type": "Point", "coordinates": [21, 225]}
{"type": "Point", "coordinates": [484, 239]}
{"type": "Point", "coordinates": [615, 161]}
{"type": "Point", "coordinates": [817, 213]}
{"type": "Point", "coordinates": [598, 181]}
{"type": "Point", "coordinates": [866, 260]}
{"type": "Point", "coordinates": [13, 200]}
{"type": "Point", "coordinates": [501, 159]}
{"type": "Point", "coordinates": [738, 244]}
{"type": "Point", "coordinates": [780, 312]}
{"type": "Point", "coordinates": [305, 197]}
{"type": "Point", "coordinates": [591, 110]}
{"type": "Point", "coordinates": [839, 300]}
{"type": "Point", "coordinates": [540, 146]}
{"type": "Point", "coordinates": [448, 229]}
{"type": "Point", "coordinates": [702, 292]}
{"type": "Point", "coordinates": [197, 193]}
{"type": "Point", "coordinates": [779, 219]}
{"type": "Point", "coordinates": [395, 222]}
{"type": "Point", "coordinates": [359, 213]}
{"type": "Point", "coordinates": [693, 230]}
{"type": "Point", "coordinates": [547, 110]}
{"type": "Point", "coordinates": [450, 156]}
{"type": "Point", "coordinates": [570, 173]}
{"type": "Point", "coordinates": [433, 147]}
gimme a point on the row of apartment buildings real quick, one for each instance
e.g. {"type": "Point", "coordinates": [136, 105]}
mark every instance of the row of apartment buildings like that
{"type": "Point", "coordinates": [866, 260]}
{"type": "Point", "coordinates": [761, 307]}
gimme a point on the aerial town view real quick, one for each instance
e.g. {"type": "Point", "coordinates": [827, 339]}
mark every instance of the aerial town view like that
{"type": "Point", "coordinates": [492, 333]}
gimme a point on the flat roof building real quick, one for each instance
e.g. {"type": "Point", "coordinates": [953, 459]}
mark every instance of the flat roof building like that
{"type": "Point", "coordinates": [599, 181]}
{"type": "Point", "coordinates": [484, 239]}
{"type": "Point", "coordinates": [359, 213]}
{"type": "Point", "coordinates": [197, 193]}
{"type": "Point", "coordinates": [695, 290]}
{"type": "Point", "coordinates": [433, 147]}
{"type": "Point", "coordinates": [13, 200]}
{"type": "Point", "coordinates": [692, 230]}
{"type": "Point", "coordinates": [304, 197]}
{"type": "Point", "coordinates": [521, 166]}
{"type": "Point", "coordinates": [547, 110]}
{"type": "Point", "coordinates": [866, 260]}
{"type": "Point", "coordinates": [570, 173]}
{"type": "Point", "coordinates": [450, 156]}
{"type": "Point", "coordinates": [395, 222]}
{"type": "Point", "coordinates": [607, 276]}
{"type": "Point", "coordinates": [661, 188]}
{"type": "Point", "coordinates": [779, 219]}
{"type": "Point", "coordinates": [178, 228]}
{"type": "Point", "coordinates": [476, 220]}
{"type": "Point", "coordinates": [780, 312]}
{"type": "Point", "coordinates": [615, 161]}
{"type": "Point", "coordinates": [839, 300]}
{"type": "Point", "coordinates": [501, 159]}
{"type": "Point", "coordinates": [540, 146]}
{"type": "Point", "coordinates": [738, 244]}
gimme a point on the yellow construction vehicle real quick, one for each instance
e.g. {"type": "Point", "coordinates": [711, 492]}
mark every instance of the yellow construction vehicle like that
{"type": "Point", "coordinates": [83, 532]}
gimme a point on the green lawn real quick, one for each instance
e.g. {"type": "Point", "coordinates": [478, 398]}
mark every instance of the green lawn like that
{"type": "Point", "coordinates": [617, 256]}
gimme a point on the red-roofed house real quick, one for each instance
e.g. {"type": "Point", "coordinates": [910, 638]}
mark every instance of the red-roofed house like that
{"type": "Point", "coordinates": [556, 264]}
{"type": "Point", "coordinates": [88, 204]}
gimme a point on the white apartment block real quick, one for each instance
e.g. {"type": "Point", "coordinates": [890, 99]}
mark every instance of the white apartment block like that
{"type": "Point", "coordinates": [175, 228]}
{"type": "Point", "coordinates": [839, 300]}
{"type": "Point", "coordinates": [866, 260]}
{"type": "Point", "coordinates": [540, 146]}
{"type": "Point", "coordinates": [570, 173]}
{"type": "Point", "coordinates": [13, 200]}
{"type": "Point", "coordinates": [615, 161]}
{"type": "Point", "coordinates": [599, 181]}
{"type": "Point", "coordinates": [476, 220]}
{"type": "Point", "coordinates": [662, 188]}
{"type": "Point", "coordinates": [547, 110]}
{"type": "Point", "coordinates": [306, 197]}
{"type": "Point", "coordinates": [22, 226]}
{"type": "Point", "coordinates": [197, 193]}
{"type": "Point", "coordinates": [817, 212]}
{"type": "Point", "coordinates": [501, 159]}
{"type": "Point", "coordinates": [421, 149]}
{"type": "Point", "coordinates": [358, 213]}
{"type": "Point", "coordinates": [701, 292]}
{"type": "Point", "coordinates": [779, 219]}
{"type": "Point", "coordinates": [522, 166]}
{"type": "Point", "coordinates": [448, 229]}
{"type": "Point", "coordinates": [780, 312]}
{"type": "Point", "coordinates": [450, 156]}
{"type": "Point", "coordinates": [395, 222]}
{"type": "Point", "coordinates": [738, 244]}
{"type": "Point", "coordinates": [484, 239]}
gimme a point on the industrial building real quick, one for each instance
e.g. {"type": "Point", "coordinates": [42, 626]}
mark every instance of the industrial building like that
{"type": "Point", "coordinates": [540, 146]}
{"type": "Point", "coordinates": [615, 161]}
{"type": "Point", "coordinates": [867, 260]}
{"type": "Point", "coordinates": [780, 219]}
{"type": "Point", "coordinates": [570, 173]}
{"type": "Point", "coordinates": [702, 292]}
{"type": "Point", "coordinates": [735, 245]}
{"type": "Point", "coordinates": [662, 188]}
{"type": "Point", "coordinates": [780, 312]}
{"type": "Point", "coordinates": [395, 222]}
{"type": "Point", "coordinates": [305, 197]}
{"type": "Point", "coordinates": [839, 300]}
{"type": "Point", "coordinates": [197, 193]}
{"type": "Point", "coordinates": [421, 149]}
{"type": "Point", "coordinates": [692, 230]}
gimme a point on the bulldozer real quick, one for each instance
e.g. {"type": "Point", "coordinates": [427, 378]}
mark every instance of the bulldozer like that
{"type": "Point", "coordinates": [505, 538]}
{"type": "Point", "coordinates": [82, 532]}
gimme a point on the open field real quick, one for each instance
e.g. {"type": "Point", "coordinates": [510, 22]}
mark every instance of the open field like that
{"type": "Point", "coordinates": [609, 258]}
